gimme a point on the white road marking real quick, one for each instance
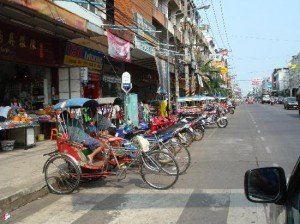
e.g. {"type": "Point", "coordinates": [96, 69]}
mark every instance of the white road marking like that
{"type": "Point", "coordinates": [268, 149]}
{"type": "Point", "coordinates": [262, 138]}
{"type": "Point", "coordinates": [256, 126]}
{"type": "Point", "coordinates": [70, 207]}
{"type": "Point", "coordinates": [275, 164]}
{"type": "Point", "coordinates": [147, 206]}
{"type": "Point", "coordinates": [258, 131]}
{"type": "Point", "coordinates": [243, 211]}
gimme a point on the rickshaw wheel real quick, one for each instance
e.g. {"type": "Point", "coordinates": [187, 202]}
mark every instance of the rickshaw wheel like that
{"type": "Point", "coordinates": [62, 174]}
{"type": "Point", "coordinates": [156, 172]}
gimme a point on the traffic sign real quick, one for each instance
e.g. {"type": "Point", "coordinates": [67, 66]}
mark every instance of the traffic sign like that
{"type": "Point", "coordinates": [126, 77]}
{"type": "Point", "coordinates": [126, 87]}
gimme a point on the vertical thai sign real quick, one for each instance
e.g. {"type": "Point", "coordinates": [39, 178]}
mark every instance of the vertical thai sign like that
{"type": "Point", "coordinates": [163, 76]}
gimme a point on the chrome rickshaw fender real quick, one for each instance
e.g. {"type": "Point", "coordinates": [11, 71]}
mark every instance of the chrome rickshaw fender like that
{"type": "Point", "coordinates": [64, 156]}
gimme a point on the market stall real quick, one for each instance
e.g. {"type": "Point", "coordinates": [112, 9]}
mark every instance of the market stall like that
{"type": "Point", "coordinates": [191, 104]}
{"type": "Point", "coordinates": [18, 129]}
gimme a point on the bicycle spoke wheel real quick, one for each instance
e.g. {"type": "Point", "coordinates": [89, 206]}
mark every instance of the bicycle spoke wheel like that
{"type": "Point", "coordinates": [181, 155]}
{"type": "Point", "coordinates": [199, 134]}
{"type": "Point", "coordinates": [188, 138]}
{"type": "Point", "coordinates": [62, 175]}
{"type": "Point", "coordinates": [159, 169]}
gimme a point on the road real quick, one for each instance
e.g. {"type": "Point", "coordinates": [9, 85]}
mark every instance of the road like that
{"type": "Point", "coordinates": [210, 192]}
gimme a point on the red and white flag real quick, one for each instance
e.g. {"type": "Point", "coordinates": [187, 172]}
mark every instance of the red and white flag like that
{"type": "Point", "coordinates": [118, 48]}
{"type": "Point", "coordinates": [224, 52]}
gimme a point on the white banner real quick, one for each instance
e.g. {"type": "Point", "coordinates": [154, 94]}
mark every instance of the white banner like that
{"type": "Point", "coordinates": [200, 81]}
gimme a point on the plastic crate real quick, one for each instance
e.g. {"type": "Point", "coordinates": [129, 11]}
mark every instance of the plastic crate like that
{"type": "Point", "coordinates": [7, 145]}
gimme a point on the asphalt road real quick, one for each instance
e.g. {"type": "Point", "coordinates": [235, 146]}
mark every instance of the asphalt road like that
{"type": "Point", "coordinates": [210, 192]}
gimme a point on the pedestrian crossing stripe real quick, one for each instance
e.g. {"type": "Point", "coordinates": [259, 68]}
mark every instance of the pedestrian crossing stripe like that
{"type": "Point", "coordinates": [145, 206]}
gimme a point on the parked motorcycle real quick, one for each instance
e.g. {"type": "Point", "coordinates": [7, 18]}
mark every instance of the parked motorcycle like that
{"type": "Point", "coordinates": [216, 117]}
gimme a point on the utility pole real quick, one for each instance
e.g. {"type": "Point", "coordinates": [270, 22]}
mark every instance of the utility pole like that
{"type": "Point", "coordinates": [186, 52]}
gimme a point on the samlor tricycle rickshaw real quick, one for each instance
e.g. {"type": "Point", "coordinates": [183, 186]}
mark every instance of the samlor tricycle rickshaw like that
{"type": "Point", "coordinates": [68, 165]}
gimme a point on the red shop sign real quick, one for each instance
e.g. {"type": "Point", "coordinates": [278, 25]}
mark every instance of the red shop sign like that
{"type": "Point", "coordinates": [26, 46]}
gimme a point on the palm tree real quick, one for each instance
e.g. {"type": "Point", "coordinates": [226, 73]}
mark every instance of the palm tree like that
{"type": "Point", "coordinates": [209, 74]}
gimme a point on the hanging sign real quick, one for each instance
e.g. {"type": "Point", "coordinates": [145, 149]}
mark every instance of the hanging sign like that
{"type": "Point", "coordinates": [126, 82]}
{"type": "Point", "coordinates": [126, 77]}
{"type": "Point", "coordinates": [118, 48]}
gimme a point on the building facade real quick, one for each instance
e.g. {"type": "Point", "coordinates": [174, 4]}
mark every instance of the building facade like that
{"type": "Point", "coordinates": [165, 37]}
{"type": "Point", "coordinates": [294, 74]}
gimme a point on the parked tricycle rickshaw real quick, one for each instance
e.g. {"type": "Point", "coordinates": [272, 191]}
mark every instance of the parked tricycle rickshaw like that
{"type": "Point", "coordinates": [68, 165]}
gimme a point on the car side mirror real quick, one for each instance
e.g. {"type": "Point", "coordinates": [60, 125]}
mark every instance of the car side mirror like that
{"type": "Point", "coordinates": [265, 185]}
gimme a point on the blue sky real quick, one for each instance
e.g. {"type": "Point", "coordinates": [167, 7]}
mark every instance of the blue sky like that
{"type": "Point", "coordinates": [263, 34]}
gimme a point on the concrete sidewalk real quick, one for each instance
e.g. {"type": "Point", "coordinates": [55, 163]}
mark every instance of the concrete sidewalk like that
{"type": "Point", "coordinates": [21, 177]}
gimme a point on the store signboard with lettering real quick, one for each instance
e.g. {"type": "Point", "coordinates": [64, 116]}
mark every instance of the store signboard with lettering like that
{"type": "Point", "coordinates": [80, 56]}
{"type": "Point", "coordinates": [144, 46]}
{"type": "Point", "coordinates": [111, 79]}
{"type": "Point", "coordinates": [21, 45]}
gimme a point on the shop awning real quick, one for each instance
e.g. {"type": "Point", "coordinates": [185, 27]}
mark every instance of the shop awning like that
{"type": "Point", "coordinates": [12, 12]}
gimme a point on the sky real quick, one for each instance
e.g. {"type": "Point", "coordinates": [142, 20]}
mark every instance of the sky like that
{"type": "Point", "coordinates": [261, 34]}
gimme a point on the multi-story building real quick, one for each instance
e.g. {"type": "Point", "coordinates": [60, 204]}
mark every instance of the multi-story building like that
{"type": "Point", "coordinates": [49, 41]}
{"type": "Point", "coordinates": [294, 74]}
{"type": "Point", "coordinates": [280, 80]}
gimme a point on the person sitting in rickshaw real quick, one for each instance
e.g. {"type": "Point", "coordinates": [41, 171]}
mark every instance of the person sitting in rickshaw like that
{"type": "Point", "coordinates": [77, 134]}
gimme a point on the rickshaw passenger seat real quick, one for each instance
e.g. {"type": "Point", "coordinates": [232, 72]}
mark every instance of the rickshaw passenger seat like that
{"type": "Point", "coordinates": [113, 139]}
{"type": "Point", "coordinates": [54, 133]}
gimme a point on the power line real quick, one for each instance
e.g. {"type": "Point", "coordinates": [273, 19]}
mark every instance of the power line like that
{"type": "Point", "coordinates": [210, 26]}
{"type": "Point", "coordinates": [264, 38]}
{"type": "Point", "coordinates": [217, 24]}
{"type": "Point", "coordinates": [225, 30]}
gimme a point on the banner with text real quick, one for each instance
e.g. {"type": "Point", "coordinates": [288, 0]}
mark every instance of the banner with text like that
{"type": "Point", "coordinates": [80, 56]}
{"type": "Point", "coordinates": [163, 76]}
{"type": "Point", "coordinates": [118, 48]}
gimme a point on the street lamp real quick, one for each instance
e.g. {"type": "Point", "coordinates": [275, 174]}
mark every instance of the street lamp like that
{"type": "Point", "coordinates": [168, 46]}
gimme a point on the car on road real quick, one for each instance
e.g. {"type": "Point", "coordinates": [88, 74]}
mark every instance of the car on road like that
{"type": "Point", "coordinates": [280, 100]}
{"type": "Point", "coordinates": [265, 98]}
{"type": "Point", "coordinates": [290, 103]}
{"type": "Point", "coordinates": [250, 100]}
{"type": "Point", "coordinates": [269, 185]}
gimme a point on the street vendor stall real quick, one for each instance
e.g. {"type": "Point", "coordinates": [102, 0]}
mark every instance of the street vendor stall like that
{"type": "Point", "coordinates": [18, 129]}
{"type": "Point", "coordinates": [191, 104]}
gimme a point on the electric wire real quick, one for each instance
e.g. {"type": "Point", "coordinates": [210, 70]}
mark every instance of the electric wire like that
{"type": "Point", "coordinates": [224, 24]}
{"type": "Point", "coordinates": [217, 24]}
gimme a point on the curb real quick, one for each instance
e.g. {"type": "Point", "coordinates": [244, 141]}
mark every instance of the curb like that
{"type": "Point", "coordinates": [23, 197]}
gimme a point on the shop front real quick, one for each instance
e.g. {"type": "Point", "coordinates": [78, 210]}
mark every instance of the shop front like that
{"type": "Point", "coordinates": [111, 77]}
{"type": "Point", "coordinates": [28, 65]}
{"type": "Point", "coordinates": [80, 75]}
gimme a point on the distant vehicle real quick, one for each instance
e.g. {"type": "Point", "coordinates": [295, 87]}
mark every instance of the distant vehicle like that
{"type": "Point", "coordinates": [269, 185]}
{"type": "Point", "coordinates": [250, 100]}
{"type": "Point", "coordinates": [290, 103]}
{"type": "Point", "coordinates": [265, 98]}
{"type": "Point", "coordinates": [280, 100]}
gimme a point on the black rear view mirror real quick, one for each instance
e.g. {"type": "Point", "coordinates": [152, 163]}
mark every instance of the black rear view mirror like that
{"type": "Point", "coordinates": [265, 185]}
